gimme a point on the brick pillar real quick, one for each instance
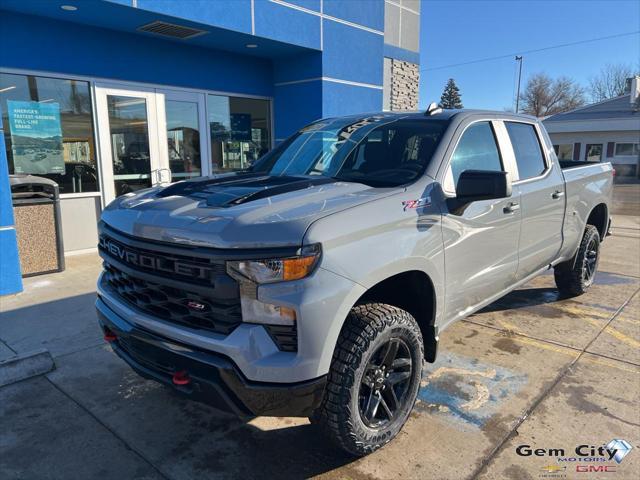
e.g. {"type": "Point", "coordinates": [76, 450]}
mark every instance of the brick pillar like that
{"type": "Point", "coordinates": [404, 85]}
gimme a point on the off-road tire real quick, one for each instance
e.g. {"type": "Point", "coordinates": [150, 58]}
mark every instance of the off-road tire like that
{"type": "Point", "coordinates": [570, 275]}
{"type": "Point", "coordinates": [367, 329]}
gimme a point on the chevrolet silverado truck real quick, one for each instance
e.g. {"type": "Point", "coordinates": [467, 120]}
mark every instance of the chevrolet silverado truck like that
{"type": "Point", "coordinates": [317, 282]}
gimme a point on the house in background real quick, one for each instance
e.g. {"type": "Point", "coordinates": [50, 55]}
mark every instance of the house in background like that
{"type": "Point", "coordinates": [607, 131]}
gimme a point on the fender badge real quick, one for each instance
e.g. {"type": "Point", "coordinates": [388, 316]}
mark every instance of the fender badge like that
{"type": "Point", "coordinates": [413, 204]}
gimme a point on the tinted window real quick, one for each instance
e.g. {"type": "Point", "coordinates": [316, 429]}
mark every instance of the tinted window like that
{"type": "Point", "coordinates": [477, 150]}
{"type": "Point", "coordinates": [526, 148]}
{"type": "Point", "coordinates": [372, 151]}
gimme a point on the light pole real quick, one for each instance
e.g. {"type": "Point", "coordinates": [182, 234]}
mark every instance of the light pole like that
{"type": "Point", "coordinates": [518, 59]}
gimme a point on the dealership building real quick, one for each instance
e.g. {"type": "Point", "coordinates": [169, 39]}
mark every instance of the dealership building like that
{"type": "Point", "coordinates": [107, 97]}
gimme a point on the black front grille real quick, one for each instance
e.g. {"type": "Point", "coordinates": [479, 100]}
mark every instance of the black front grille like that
{"type": "Point", "coordinates": [176, 305]}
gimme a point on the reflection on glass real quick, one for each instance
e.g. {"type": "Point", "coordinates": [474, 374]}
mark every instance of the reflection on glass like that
{"type": "Point", "coordinates": [67, 157]}
{"type": "Point", "coordinates": [240, 131]}
{"type": "Point", "coordinates": [183, 139]}
{"type": "Point", "coordinates": [129, 131]}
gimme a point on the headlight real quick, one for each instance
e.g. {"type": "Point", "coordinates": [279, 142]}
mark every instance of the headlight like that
{"type": "Point", "coordinates": [276, 269]}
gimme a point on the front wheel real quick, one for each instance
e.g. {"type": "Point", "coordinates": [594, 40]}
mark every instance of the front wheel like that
{"type": "Point", "coordinates": [374, 378]}
{"type": "Point", "coordinates": [575, 276]}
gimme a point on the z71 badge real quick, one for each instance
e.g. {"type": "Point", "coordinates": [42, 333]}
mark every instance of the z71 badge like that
{"type": "Point", "coordinates": [412, 204]}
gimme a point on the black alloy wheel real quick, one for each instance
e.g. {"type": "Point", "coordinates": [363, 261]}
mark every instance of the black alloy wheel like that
{"type": "Point", "coordinates": [384, 385]}
{"type": "Point", "coordinates": [576, 275]}
{"type": "Point", "coordinates": [590, 262]}
{"type": "Point", "coordinates": [374, 378]}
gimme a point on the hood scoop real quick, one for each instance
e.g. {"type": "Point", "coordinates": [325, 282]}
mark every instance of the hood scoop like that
{"type": "Point", "coordinates": [229, 191]}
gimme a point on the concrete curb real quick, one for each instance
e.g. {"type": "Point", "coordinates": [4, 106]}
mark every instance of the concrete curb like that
{"type": "Point", "coordinates": [25, 366]}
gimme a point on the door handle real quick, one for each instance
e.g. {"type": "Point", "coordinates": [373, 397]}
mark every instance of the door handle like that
{"type": "Point", "coordinates": [512, 207]}
{"type": "Point", "coordinates": [557, 194]}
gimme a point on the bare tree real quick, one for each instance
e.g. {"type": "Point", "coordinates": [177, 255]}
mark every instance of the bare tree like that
{"type": "Point", "coordinates": [611, 81]}
{"type": "Point", "coordinates": [544, 96]}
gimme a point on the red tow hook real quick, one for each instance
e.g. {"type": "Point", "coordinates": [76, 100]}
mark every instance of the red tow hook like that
{"type": "Point", "coordinates": [109, 336]}
{"type": "Point", "coordinates": [181, 378]}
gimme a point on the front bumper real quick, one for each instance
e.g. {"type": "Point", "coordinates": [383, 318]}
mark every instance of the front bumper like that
{"type": "Point", "coordinates": [213, 379]}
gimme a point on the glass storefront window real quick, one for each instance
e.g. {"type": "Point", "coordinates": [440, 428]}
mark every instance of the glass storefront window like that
{"type": "Point", "coordinates": [48, 130]}
{"type": "Point", "coordinates": [240, 130]}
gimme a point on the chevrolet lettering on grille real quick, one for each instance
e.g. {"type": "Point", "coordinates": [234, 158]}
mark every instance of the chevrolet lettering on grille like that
{"type": "Point", "coordinates": [152, 262]}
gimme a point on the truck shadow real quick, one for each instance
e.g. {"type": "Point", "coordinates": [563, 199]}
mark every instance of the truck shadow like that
{"type": "Point", "coordinates": [296, 451]}
{"type": "Point", "coordinates": [525, 297]}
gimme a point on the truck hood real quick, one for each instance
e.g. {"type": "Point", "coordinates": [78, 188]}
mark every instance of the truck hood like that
{"type": "Point", "coordinates": [238, 210]}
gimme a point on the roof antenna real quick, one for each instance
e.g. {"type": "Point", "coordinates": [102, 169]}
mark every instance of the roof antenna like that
{"type": "Point", "coordinates": [433, 109]}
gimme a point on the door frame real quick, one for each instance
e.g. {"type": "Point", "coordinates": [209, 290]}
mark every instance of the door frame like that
{"type": "Point", "coordinates": [154, 127]}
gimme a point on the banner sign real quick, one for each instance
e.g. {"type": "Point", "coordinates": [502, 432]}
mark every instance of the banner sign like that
{"type": "Point", "coordinates": [36, 137]}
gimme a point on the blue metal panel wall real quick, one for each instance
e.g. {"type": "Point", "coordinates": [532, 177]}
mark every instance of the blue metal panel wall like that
{"type": "Point", "coordinates": [401, 54]}
{"type": "Point", "coordinates": [231, 14]}
{"type": "Point", "coordinates": [286, 24]}
{"type": "Point", "coordinates": [298, 67]}
{"type": "Point", "coordinates": [296, 105]}
{"type": "Point", "coordinates": [340, 99]}
{"type": "Point", "coordinates": [10, 277]}
{"type": "Point", "coordinates": [369, 13]}
{"type": "Point", "coordinates": [37, 43]}
{"type": "Point", "coordinates": [308, 4]}
{"type": "Point", "coordinates": [352, 54]}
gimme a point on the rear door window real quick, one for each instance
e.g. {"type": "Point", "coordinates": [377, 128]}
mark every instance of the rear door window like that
{"type": "Point", "coordinates": [527, 149]}
{"type": "Point", "coordinates": [476, 150]}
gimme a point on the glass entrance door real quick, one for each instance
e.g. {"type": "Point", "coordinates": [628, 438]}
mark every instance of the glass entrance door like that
{"type": "Point", "coordinates": [185, 121]}
{"type": "Point", "coordinates": [150, 137]}
{"type": "Point", "coordinates": [128, 130]}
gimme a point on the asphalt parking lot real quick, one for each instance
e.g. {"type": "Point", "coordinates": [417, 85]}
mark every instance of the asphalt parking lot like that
{"type": "Point", "coordinates": [531, 369]}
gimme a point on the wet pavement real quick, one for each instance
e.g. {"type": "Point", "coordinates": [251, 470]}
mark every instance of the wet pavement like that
{"type": "Point", "coordinates": [531, 371]}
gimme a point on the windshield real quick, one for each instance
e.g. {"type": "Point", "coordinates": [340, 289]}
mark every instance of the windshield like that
{"type": "Point", "coordinates": [375, 151]}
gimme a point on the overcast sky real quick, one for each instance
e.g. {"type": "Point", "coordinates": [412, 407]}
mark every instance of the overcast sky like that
{"type": "Point", "coordinates": [457, 31]}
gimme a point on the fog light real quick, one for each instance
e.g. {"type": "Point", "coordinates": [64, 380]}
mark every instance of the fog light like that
{"type": "Point", "coordinates": [255, 311]}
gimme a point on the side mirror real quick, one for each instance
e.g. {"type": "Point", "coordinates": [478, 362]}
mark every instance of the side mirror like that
{"type": "Point", "coordinates": [474, 185]}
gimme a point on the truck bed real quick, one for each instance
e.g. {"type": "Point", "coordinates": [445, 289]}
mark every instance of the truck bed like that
{"type": "Point", "coordinates": [587, 184]}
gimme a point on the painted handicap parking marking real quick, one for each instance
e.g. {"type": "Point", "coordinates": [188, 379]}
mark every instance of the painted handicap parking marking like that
{"type": "Point", "coordinates": [465, 390]}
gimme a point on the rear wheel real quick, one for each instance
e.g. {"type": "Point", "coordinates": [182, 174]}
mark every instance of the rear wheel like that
{"type": "Point", "coordinates": [374, 378]}
{"type": "Point", "coordinates": [575, 276]}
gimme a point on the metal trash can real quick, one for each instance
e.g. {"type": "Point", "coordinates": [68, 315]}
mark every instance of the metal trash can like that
{"type": "Point", "coordinates": [36, 207]}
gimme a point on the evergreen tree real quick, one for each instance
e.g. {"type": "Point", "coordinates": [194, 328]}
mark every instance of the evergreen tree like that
{"type": "Point", "coordinates": [451, 96]}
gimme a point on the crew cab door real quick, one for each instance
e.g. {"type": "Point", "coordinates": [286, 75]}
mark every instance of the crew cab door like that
{"type": "Point", "coordinates": [480, 240]}
{"type": "Point", "coordinates": [542, 198]}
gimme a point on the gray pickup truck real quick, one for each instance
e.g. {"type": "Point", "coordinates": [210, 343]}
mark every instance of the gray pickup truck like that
{"type": "Point", "coordinates": [317, 282]}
